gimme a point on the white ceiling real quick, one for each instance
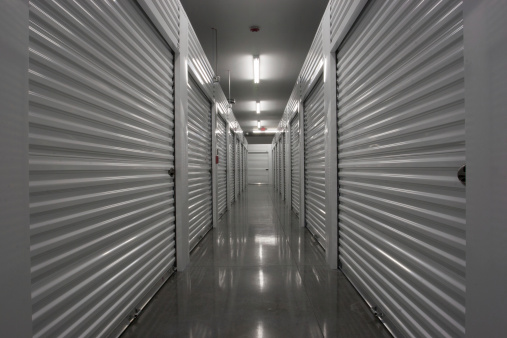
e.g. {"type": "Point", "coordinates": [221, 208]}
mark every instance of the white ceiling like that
{"type": "Point", "coordinates": [287, 28]}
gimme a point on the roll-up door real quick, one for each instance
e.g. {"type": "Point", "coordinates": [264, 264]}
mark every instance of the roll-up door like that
{"type": "Point", "coordinates": [314, 119]}
{"type": "Point", "coordinates": [284, 165]}
{"type": "Point", "coordinates": [279, 159]}
{"type": "Point", "coordinates": [401, 128]}
{"type": "Point", "coordinates": [294, 163]}
{"type": "Point", "coordinates": [222, 166]}
{"type": "Point", "coordinates": [236, 166]}
{"type": "Point", "coordinates": [101, 133]}
{"type": "Point", "coordinates": [200, 199]}
{"type": "Point", "coordinates": [231, 159]}
{"type": "Point", "coordinates": [277, 172]}
{"type": "Point", "coordinates": [240, 180]}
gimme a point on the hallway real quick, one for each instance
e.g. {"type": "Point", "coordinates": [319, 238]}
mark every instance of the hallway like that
{"type": "Point", "coordinates": [257, 274]}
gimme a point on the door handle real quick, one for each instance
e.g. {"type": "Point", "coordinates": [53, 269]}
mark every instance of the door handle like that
{"type": "Point", "coordinates": [462, 174]}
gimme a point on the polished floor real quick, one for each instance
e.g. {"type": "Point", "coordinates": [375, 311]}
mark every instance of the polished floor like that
{"type": "Point", "coordinates": [257, 274]}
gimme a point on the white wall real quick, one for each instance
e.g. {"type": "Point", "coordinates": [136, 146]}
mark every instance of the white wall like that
{"type": "Point", "coordinates": [16, 308]}
{"type": "Point", "coordinates": [486, 141]}
{"type": "Point", "coordinates": [262, 147]}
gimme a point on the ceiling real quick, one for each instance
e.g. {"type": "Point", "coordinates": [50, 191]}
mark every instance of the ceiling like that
{"type": "Point", "coordinates": [287, 28]}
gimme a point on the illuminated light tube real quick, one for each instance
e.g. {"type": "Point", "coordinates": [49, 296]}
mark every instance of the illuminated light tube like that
{"type": "Point", "coordinates": [264, 131]}
{"type": "Point", "coordinates": [259, 124]}
{"type": "Point", "coordinates": [256, 66]}
{"type": "Point", "coordinates": [258, 107]}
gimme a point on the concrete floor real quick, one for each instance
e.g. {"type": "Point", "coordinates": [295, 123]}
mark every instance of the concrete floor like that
{"type": "Point", "coordinates": [257, 275]}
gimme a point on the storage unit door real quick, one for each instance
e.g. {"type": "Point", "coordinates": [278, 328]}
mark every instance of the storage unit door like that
{"type": "Point", "coordinates": [236, 166]}
{"type": "Point", "coordinates": [222, 166]}
{"type": "Point", "coordinates": [315, 214]}
{"type": "Point", "coordinates": [230, 176]}
{"type": "Point", "coordinates": [294, 163]}
{"type": "Point", "coordinates": [276, 166]}
{"type": "Point", "coordinates": [284, 166]}
{"type": "Point", "coordinates": [401, 128]}
{"type": "Point", "coordinates": [200, 198]}
{"type": "Point", "coordinates": [101, 133]}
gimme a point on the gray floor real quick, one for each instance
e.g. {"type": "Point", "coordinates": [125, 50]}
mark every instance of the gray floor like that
{"type": "Point", "coordinates": [257, 275]}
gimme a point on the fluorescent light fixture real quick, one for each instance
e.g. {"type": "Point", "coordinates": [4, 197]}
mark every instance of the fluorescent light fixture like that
{"type": "Point", "coordinates": [258, 107]}
{"type": "Point", "coordinates": [264, 131]}
{"type": "Point", "coordinates": [259, 124]}
{"type": "Point", "coordinates": [256, 66]}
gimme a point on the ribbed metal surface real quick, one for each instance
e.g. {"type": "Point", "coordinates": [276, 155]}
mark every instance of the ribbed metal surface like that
{"type": "Point", "coordinates": [231, 159]}
{"type": "Point", "coordinates": [343, 14]}
{"type": "Point", "coordinates": [222, 166]}
{"type": "Point", "coordinates": [101, 127]}
{"type": "Point", "coordinates": [314, 117]}
{"type": "Point", "coordinates": [237, 166]}
{"type": "Point", "coordinates": [294, 163]}
{"type": "Point", "coordinates": [200, 206]}
{"type": "Point", "coordinates": [199, 62]}
{"type": "Point", "coordinates": [401, 141]}
{"type": "Point", "coordinates": [282, 166]}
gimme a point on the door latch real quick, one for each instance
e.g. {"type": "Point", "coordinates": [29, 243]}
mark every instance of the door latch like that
{"type": "Point", "coordinates": [171, 172]}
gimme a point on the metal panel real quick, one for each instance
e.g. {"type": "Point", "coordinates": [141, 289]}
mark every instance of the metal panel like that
{"type": "Point", "coordinates": [101, 130]}
{"type": "Point", "coordinates": [282, 165]}
{"type": "Point", "coordinates": [401, 140]}
{"type": "Point", "coordinates": [343, 15]}
{"type": "Point", "coordinates": [200, 198]}
{"type": "Point", "coordinates": [231, 159]}
{"type": "Point", "coordinates": [314, 115]}
{"type": "Point", "coordinates": [166, 17]}
{"type": "Point", "coordinates": [222, 165]}
{"type": "Point", "coordinates": [294, 165]}
{"type": "Point", "coordinates": [238, 166]}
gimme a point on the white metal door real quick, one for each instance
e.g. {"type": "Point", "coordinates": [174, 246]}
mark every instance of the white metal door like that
{"type": "Point", "coordinates": [401, 141]}
{"type": "Point", "coordinates": [282, 165]}
{"type": "Point", "coordinates": [231, 159]}
{"type": "Point", "coordinates": [314, 118]}
{"type": "Point", "coordinates": [294, 163]}
{"type": "Point", "coordinates": [200, 198]}
{"type": "Point", "coordinates": [258, 167]}
{"type": "Point", "coordinates": [236, 166]}
{"type": "Point", "coordinates": [101, 110]}
{"type": "Point", "coordinates": [222, 165]}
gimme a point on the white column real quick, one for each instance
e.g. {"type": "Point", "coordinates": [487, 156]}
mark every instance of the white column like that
{"type": "Point", "coordinates": [214, 167]}
{"type": "Point", "coordinates": [181, 147]}
{"type": "Point", "coordinates": [485, 34]}
{"type": "Point", "coordinates": [301, 159]}
{"type": "Point", "coordinates": [331, 143]}
{"type": "Point", "coordinates": [15, 287]}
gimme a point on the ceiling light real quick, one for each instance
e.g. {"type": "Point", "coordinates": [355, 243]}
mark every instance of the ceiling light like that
{"type": "Point", "coordinates": [258, 107]}
{"type": "Point", "coordinates": [264, 131]}
{"type": "Point", "coordinates": [259, 124]}
{"type": "Point", "coordinates": [256, 69]}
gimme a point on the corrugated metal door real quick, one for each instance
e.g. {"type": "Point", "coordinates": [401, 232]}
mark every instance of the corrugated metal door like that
{"type": "Point", "coordinates": [294, 163]}
{"type": "Point", "coordinates": [200, 198]}
{"type": "Point", "coordinates": [222, 166]}
{"type": "Point", "coordinates": [277, 169]}
{"type": "Point", "coordinates": [314, 117]}
{"type": "Point", "coordinates": [240, 167]}
{"type": "Point", "coordinates": [282, 166]}
{"type": "Point", "coordinates": [231, 159]}
{"type": "Point", "coordinates": [101, 110]}
{"type": "Point", "coordinates": [236, 166]}
{"type": "Point", "coordinates": [401, 141]}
